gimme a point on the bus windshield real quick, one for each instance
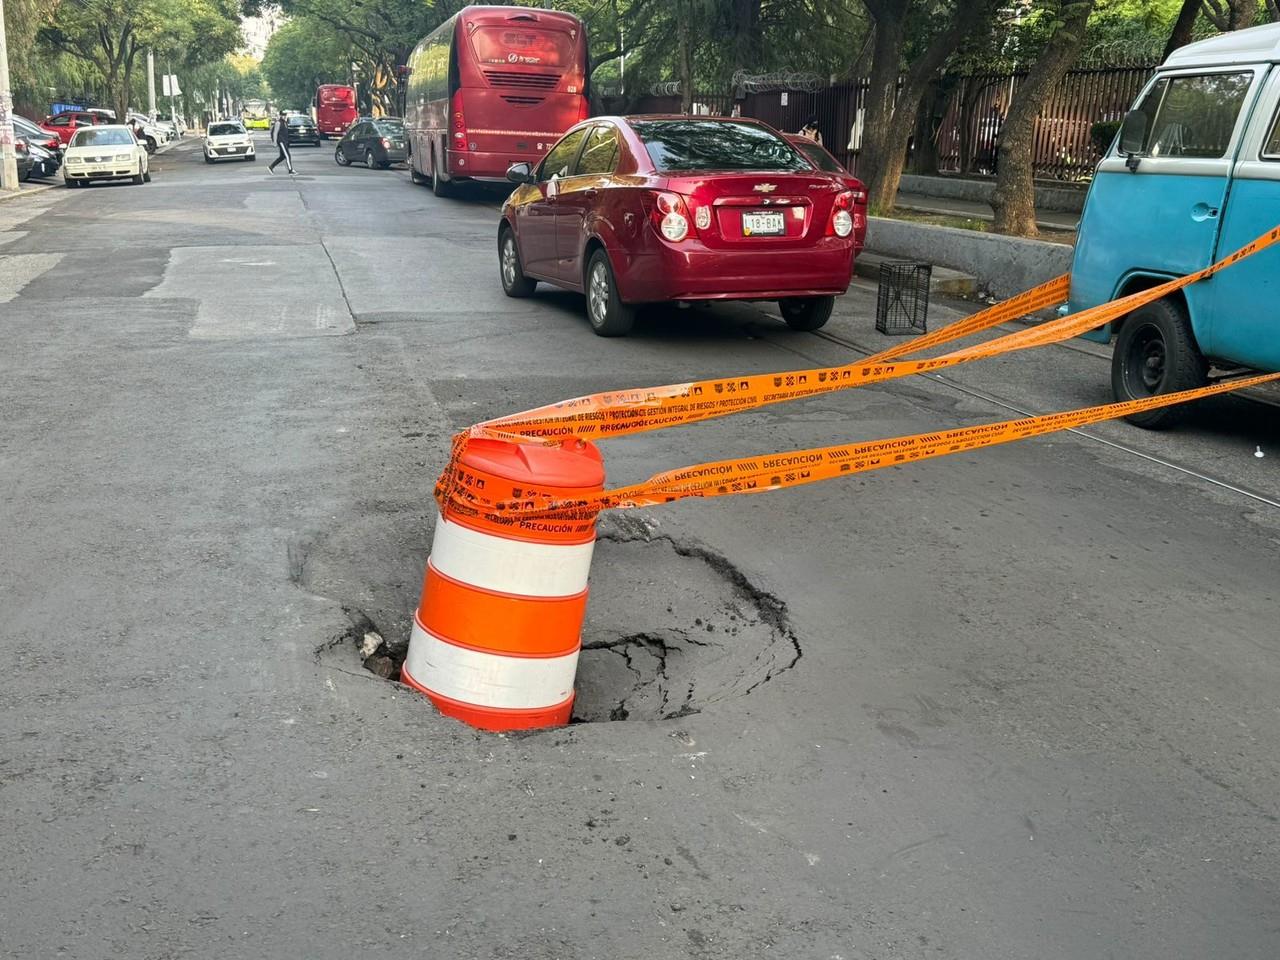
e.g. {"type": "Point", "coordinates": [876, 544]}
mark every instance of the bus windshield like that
{"type": "Point", "coordinates": [521, 46]}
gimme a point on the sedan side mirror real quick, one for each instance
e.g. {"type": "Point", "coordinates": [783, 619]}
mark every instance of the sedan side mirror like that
{"type": "Point", "coordinates": [1133, 136]}
{"type": "Point", "coordinates": [520, 173]}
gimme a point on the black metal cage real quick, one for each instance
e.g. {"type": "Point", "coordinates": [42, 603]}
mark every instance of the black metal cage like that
{"type": "Point", "coordinates": [902, 306]}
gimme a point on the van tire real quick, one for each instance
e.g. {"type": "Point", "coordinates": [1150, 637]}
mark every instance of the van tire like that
{"type": "Point", "coordinates": [1155, 353]}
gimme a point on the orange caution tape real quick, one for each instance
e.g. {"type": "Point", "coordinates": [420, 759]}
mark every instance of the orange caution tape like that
{"type": "Point", "coordinates": [618, 413]}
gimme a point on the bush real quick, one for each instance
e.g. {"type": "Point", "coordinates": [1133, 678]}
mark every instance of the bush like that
{"type": "Point", "coordinates": [1102, 133]}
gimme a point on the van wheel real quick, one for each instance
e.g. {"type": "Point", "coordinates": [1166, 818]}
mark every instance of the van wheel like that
{"type": "Point", "coordinates": [1156, 353]}
{"type": "Point", "coordinates": [609, 316]}
{"type": "Point", "coordinates": [806, 313]}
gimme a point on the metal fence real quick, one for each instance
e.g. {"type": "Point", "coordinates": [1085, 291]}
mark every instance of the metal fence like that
{"type": "Point", "coordinates": [962, 117]}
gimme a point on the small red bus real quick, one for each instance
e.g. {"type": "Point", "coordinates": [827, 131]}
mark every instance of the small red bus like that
{"type": "Point", "coordinates": [335, 109]}
{"type": "Point", "coordinates": [490, 87]}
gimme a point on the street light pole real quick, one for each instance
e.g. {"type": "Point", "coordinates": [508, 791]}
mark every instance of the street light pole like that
{"type": "Point", "coordinates": [151, 85]}
{"type": "Point", "coordinates": [8, 156]}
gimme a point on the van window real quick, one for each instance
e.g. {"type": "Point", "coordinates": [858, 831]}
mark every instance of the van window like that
{"type": "Point", "coordinates": [1193, 116]}
{"type": "Point", "coordinates": [1271, 151]}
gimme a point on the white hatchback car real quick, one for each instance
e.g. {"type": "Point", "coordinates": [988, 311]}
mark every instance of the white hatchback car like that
{"type": "Point", "coordinates": [228, 140]}
{"type": "Point", "coordinates": [108, 152]}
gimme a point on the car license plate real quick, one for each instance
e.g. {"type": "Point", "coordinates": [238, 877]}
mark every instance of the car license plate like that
{"type": "Point", "coordinates": [763, 224]}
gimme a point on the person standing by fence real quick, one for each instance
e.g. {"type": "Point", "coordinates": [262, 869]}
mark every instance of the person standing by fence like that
{"type": "Point", "coordinates": [280, 136]}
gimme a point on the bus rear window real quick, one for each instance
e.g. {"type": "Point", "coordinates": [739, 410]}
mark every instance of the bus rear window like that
{"type": "Point", "coordinates": [521, 46]}
{"type": "Point", "coordinates": [337, 95]}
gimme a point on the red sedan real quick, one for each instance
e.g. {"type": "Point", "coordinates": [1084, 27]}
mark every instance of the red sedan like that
{"type": "Point", "coordinates": [633, 210]}
{"type": "Point", "coordinates": [821, 158]}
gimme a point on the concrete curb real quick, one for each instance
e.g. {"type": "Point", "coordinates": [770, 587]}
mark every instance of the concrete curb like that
{"type": "Point", "coordinates": [1064, 199]}
{"type": "Point", "coordinates": [1002, 265]}
{"type": "Point", "coordinates": [27, 191]}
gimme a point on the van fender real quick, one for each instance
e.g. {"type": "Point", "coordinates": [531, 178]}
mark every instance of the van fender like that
{"type": "Point", "coordinates": [1132, 282]}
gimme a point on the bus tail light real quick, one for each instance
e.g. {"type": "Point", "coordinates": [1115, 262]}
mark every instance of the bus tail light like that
{"type": "Point", "coordinates": [457, 123]}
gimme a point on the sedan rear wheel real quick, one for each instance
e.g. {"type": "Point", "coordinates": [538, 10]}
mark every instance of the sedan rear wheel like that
{"type": "Point", "coordinates": [806, 313]}
{"type": "Point", "coordinates": [514, 282]}
{"type": "Point", "coordinates": [609, 316]}
{"type": "Point", "coordinates": [340, 158]}
{"type": "Point", "coordinates": [370, 160]}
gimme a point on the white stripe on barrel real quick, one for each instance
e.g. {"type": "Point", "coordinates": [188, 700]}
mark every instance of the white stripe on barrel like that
{"type": "Point", "coordinates": [516, 567]}
{"type": "Point", "coordinates": [486, 679]}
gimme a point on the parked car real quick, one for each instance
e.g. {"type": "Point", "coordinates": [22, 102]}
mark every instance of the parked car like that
{"type": "Point", "coordinates": [105, 153]}
{"type": "Point", "coordinates": [175, 126]}
{"type": "Point", "coordinates": [670, 208]}
{"type": "Point", "coordinates": [821, 158]}
{"type": "Point", "coordinates": [66, 124]}
{"type": "Point", "coordinates": [25, 161]}
{"type": "Point", "coordinates": [375, 143]}
{"type": "Point", "coordinates": [149, 134]}
{"type": "Point", "coordinates": [1193, 175]}
{"type": "Point", "coordinates": [302, 130]}
{"type": "Point", "coordinates": [38, 136]}
{"type": "Point", "coordinates": [43, 163]}
{"type": "Point", "coordinates": [228, 140]}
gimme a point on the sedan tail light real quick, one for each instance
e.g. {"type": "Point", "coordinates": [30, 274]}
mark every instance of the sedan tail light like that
{"type": "Point", "coordinates": [841, 224]}
{"type": "Point", "coordinates": [669, 215]}
{"type": "Point", "coordinates": [386, 144]}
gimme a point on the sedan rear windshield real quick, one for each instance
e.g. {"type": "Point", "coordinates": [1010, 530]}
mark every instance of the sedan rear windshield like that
{"type": "Point", "coordinates": [225, 129]}
{"type": "Point", "coordinates": [390, 128]}
{"type": "Point", "coordinates": [299, 121]}
{"type": "Point", "coordinates": [821, 159]}
{"type": "Point", "coordinates": [103, 138]}
{"type": "Point", "coordinates": [678, 145]}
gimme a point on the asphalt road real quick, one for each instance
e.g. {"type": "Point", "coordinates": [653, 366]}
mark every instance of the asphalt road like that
{"type": "Point", "coordinates": [1019, 703]}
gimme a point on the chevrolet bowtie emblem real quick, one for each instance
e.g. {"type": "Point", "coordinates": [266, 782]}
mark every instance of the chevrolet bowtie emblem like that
{"type": "Point", "coordinates": [765, 187]}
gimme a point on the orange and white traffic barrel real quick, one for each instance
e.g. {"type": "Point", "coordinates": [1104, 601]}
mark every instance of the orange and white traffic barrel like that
{"type": "Point", "coordinates": [497, 633]}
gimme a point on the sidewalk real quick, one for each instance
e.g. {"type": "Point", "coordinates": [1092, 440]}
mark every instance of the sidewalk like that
{"type": "Point", "coordinates": [1054, 220]}
{"type": "Point", "coordinates": [30, 188]}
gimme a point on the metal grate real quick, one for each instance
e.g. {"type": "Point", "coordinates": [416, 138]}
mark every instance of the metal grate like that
{"type": "Point", "coordinates": [902, 306]}
{"type": "Point", "coordinates": [525, 81]}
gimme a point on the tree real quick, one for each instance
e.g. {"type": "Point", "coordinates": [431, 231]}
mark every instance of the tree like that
{"type": "Point", "coordinates": [1014, 197]}
{"type": "Point", "coordinates": [110, 34]}
{"type": "Point", "coordinates": [301, 55]}
{"type": "Point", "coordinates": [893, 98]}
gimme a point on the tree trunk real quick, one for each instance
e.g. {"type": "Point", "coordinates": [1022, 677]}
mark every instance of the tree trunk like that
{"type": "Point", "coordinates": [686, 59]}
{"type": "Point", "coordinates": [882, 89]}
{"type": "Point", "coordinates": [1014, 198]}
{"type": "Point", "coordinates": [1183, 27]}
{"type": "Point", "coordinates": [889, 117]}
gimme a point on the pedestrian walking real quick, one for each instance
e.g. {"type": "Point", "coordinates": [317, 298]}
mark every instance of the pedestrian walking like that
{"type": "Point", "coordinates": [280, 136]}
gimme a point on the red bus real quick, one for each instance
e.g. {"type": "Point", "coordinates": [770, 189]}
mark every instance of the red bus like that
{"type": "Point", "coordinates": [335, 106]}
{"type": "Point", "coordinates": [490, 87]}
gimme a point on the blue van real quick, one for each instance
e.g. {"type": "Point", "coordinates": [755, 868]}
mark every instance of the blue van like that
{"type": "Point", "coordinates": [1193, 175]}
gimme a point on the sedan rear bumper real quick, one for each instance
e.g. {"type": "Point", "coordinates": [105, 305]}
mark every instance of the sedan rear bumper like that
{"type": "Point", "coordinates": [691, 271]}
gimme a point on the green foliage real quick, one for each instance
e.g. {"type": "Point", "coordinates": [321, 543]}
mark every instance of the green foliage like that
{"type": "Point", "coordinates": [1102, 133]}
{"type": "Point", "coordinates": [108, 36]}
{"type": "Point", "coordinates": [303, 54]}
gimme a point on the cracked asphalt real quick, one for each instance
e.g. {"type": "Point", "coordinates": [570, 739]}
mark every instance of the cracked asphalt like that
{"type": "Point", "coordinates": [1017, 703]}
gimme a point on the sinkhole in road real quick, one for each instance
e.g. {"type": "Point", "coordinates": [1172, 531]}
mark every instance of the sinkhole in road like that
{"type": "Point", "coordinates": [672, 626]}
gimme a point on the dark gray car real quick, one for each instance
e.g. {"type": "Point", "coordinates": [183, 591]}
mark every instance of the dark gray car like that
{"type": "Point", "coordinates": [375, 143]}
